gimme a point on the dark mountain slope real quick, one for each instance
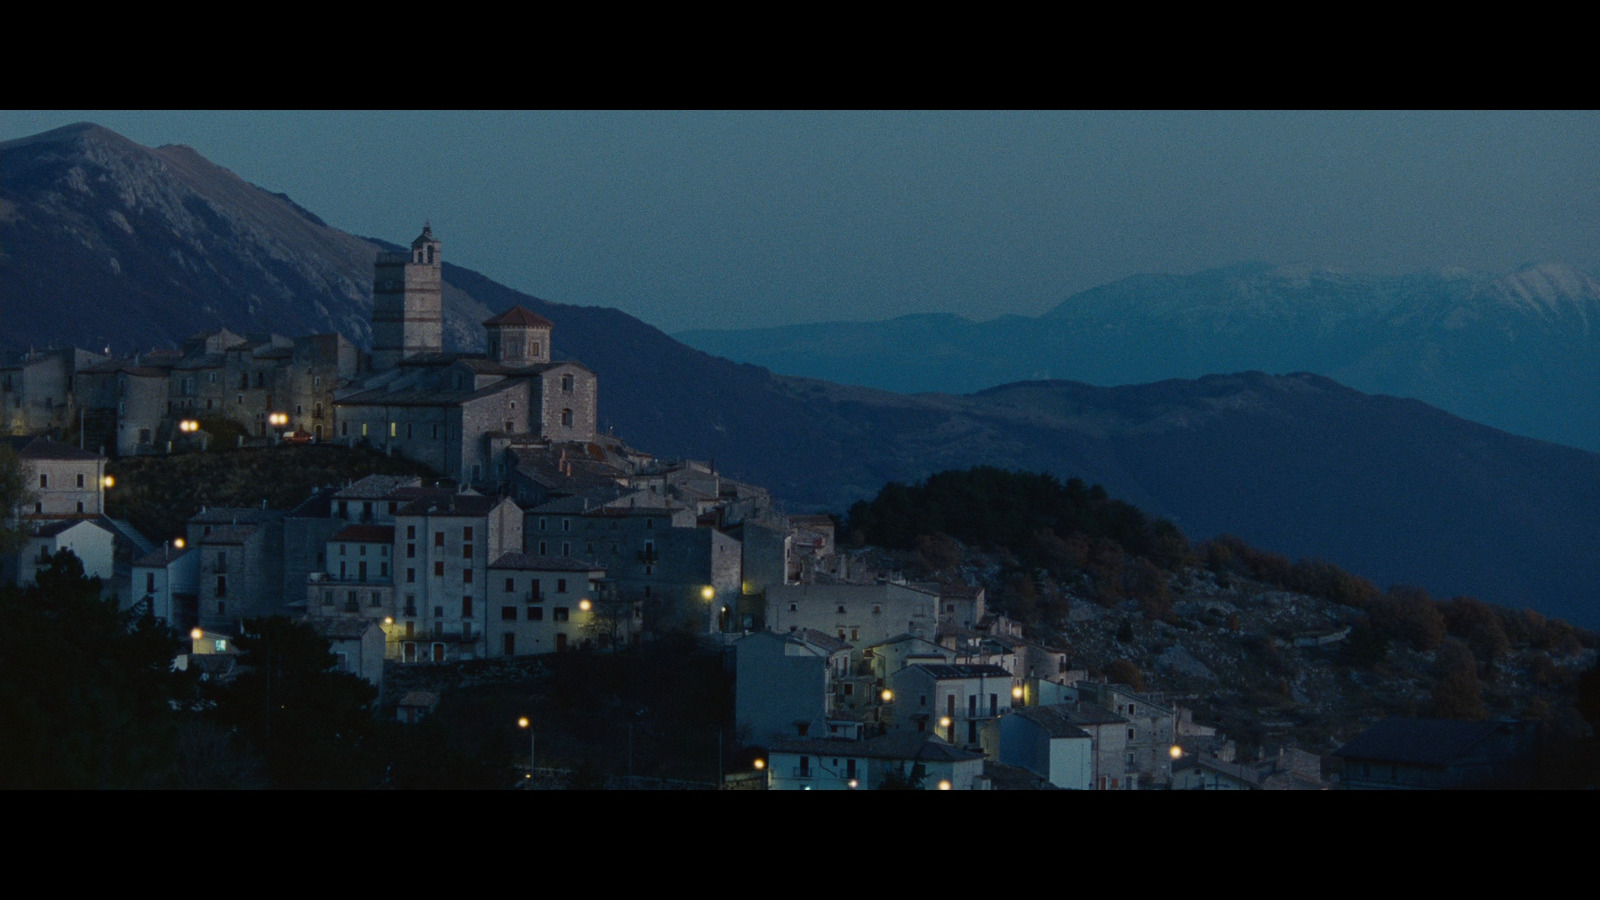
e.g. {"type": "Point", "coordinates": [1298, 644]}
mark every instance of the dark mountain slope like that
{"type": "Point", "coordinates": [1390, 489]}
{"type": "Point", "coordinates": [1519, 351]}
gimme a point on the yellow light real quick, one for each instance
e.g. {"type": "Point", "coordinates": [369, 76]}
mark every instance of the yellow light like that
{"type": "Point", "coordinates": [944, 721]}
{"type": "Point", "coordinates": [584, 604]}
{"type": "Point", "coordinates": [522, 722]}
{"type": "Point", "coordinates": [887, 695]}
{"type": "Point", "coordinates": [388, 620]}
{"type": "Point", "coordinates": [852, 784]}
{"type": "Point", "coordinates": [108, 481]}
{"type": "Point", "coordinates": [195, 634]}
{"type": "Point", "coordinates": [708, 592]}
{"type": "Point", "coordinates": [761, 764]}
{"type": "Point", "coordinates": [1016, 692]}
{"type": "Point", "coordinates": [180, 543]}
{"type": "Point", "coordinates": [944, 785]}
{"type": "Point", "coordinates": [1176, 752]}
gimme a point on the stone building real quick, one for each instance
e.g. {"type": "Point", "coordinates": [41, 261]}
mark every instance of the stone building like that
{"type": "Point", "coordinates": [550, 604]}
{"type": "Point", "coordinates": [443, 550]}
{"type": "Point", "coordinates": [457, 412]}
{"type": "Point", "coordinates": [408, 303]}
{"type": "Point", "coordinates": [62, 481]}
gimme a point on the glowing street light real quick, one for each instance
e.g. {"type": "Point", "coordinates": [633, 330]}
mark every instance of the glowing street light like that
{"type": "Point", "coordinates": [707, 593]}
{"type": "Point", "coordinates": [108, 482]}
{"type": "Point", "coordinates": [524, 723]}
{"type": "Point", "coordinates": [585, 605]}
{"type": "Point", "coordinates": [944, 784]}
{"type": "Point", "coordinates": [887, 696]}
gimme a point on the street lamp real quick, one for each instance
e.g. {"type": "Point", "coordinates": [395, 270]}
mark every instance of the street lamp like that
{"type": "Point", "coordinates": [278, 421]}
{"type": "Point", "coordinates": [108, 482]}
{"type": "Point", "coordinates": [707, 593]}
{"type": "Point", "coordinates": [524, 723]}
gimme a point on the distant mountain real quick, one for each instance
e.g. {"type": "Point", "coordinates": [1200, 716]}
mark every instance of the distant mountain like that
{"type": "Point", "coordinates": [1390, 489]}
{"type": "Point", "coordinates": [1520, 351]}
{"type": "Point", "coordinates": [104, 242]}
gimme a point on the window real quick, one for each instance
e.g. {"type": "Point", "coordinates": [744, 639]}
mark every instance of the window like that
{"type": "Point", "coordinates": [411, 530]}
{"type": "Point", "coordinates": [222, 588]}
{"type": "Point", "coordinates": [511, 585]}
{"type": "Point", "coordinates": [535, 614]}
{"type": "Point", "coordinates": [466, 533]}
{"type": "Point", "coordinates": [561, 585]}
{"type": "Point", "coordinates": [466, 576]}
{"type": "Point", "coordinates": [566, 548]}
{"type": "Point", "coordinates": [80, 481]}
{"type": "Point", "coordinates": [438, 539]}
{"type": "Point", "coordinates": [411, 576]}
{"type": "Point", "coordinates": [566, 418]}
{"type": "Point", "coordinates": [561, 614]}
{"type": "Point", "coordinates": [80, 506]}
{"type": "Point", "coordinates": [466, 551]}
{"type": "Point", "coordinates": [510, 648]}
{"type": "Point", "coordinates": [1130, 737]}
{"type": "Point", "coordinates": [438, 570]}
{"type": "Point", "coordinates": [149, 582]}
{"type": "Point", "coordinates": [566, 383]}
{"type": "Point", "coordinates": [466, 607]}
{"type": "Point", "coordinates": [44, 480]}
{"type": "Point", "coordinates": [566, 524]}
{"type": "Point", "coordinates": [508, 613]}
{"type": "Point", "coordinates": [411, 551]}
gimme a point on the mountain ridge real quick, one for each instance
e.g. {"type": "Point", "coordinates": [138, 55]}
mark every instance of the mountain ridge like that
{"type": "Point", "coordinates": [1390, 489]}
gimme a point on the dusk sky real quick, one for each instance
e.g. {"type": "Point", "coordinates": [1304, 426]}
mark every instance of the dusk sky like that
{"type": "Point", "coordinates": [733, 219]}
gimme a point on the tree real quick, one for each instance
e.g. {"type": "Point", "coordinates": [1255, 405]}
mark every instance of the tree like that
{"type": "Point", "coordinates": [1123, 671]}
{"type": "Point", "coordinates": [13, 494]}
{"type": "Point", "coordinates": [86, 690]}
{"type": "Point", "coordinates": [313, 725]}
{"type": "Point", "coordinates": [1457, 692]}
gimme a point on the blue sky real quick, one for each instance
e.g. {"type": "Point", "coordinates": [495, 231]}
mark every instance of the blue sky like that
{"type": "Point", "coordinates": [733, 219]}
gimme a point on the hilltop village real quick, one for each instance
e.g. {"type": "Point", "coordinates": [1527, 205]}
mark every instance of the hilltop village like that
{"type": "Point", "coordinates": [541, 535]}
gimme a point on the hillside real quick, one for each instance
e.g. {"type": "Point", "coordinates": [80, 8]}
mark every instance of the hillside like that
{"type": "Point", "coordinates": [1392, 489]}
{"type": "Point", "coordinates": [1478, 345]}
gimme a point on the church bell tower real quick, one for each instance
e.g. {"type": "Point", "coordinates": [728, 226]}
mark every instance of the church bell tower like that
{"type": "Point", "coordinates": [407, 303]}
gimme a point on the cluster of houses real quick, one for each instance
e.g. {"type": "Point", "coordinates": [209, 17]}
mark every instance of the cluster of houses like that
{"type": "Point", "coordinates": [543, 535]}
{"type": "Point", "coordinates": [864, 686]}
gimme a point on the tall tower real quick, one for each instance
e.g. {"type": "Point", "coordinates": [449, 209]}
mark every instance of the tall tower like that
{"type": "Point", "coordinates": [407, 303]}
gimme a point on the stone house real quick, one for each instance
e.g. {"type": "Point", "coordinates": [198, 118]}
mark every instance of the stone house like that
{"type": "Point", "coordinates": [167, 582]}
{"type": "Point", "coordinates": [951, 700]}
{"type": "Point", "coordinates": [1044, 741]}
{"type": "Point", "coordinates": [1151, 728]}
{"type": "Point", "coordinates": [862, 614]}
{"type": "Point", "coordinates": [241, 565]}
{"type": "Point", "coordinates": [443, 546]}
{"type": "Point", "coordinates": [784, 684]}
{"type": "Point", "coordinates": [542, 604]}
{"type": "Point", "coordinates": [62, 480]}
{"type": "Point", "coordinates": [36, 389]}
{"type": "Point", "coordinates": [91, 542]}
